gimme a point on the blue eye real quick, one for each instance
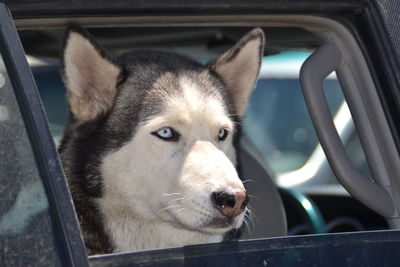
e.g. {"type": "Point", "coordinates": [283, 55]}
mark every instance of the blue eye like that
{"type": "Point", "coordinates": [167, 134]}
{"type": "Point", "coordinates": [222, 134]}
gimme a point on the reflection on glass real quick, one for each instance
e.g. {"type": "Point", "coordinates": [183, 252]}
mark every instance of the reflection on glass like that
{"type": "Point", "coordinates": [279, 125]}
{"type": "Point", "coordinates": [27, 234]}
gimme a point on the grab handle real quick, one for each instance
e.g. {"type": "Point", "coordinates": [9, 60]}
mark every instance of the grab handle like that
{"type": "Point", "coordinates": [375, 195]}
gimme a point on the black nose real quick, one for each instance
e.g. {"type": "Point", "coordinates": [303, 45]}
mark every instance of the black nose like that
{"type": "Point", "coordinates": [230, 204]}
{"type": "Point", "coordinates": [223, 199]}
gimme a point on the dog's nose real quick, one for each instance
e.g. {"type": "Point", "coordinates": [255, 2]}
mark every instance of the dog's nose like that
{"type": "Point", "coordinates": [230, 204]}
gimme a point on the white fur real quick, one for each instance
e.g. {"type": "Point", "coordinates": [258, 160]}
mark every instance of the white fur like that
{"type": "Point", "coordinates": [157, 193]}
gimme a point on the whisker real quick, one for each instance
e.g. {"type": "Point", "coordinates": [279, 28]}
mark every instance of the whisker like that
{"type": "Point", "coordinates": [255, 197]}
{"type": "Point", "coordinates": [236, 231]}
{"type": "Point", "coordinates": [182, 208]}
{"type": "Point", "coordinates": [167, 208]}
{"type": "Point", "coordinates": [247, 225]}
{"type": "Point", "coordinates": [174, 200]}
{"type": "Point", "coordinates": [254, 218]}
{"type": "Point", "coordinates": [247, 180]}
{"type": "Point", "coordinates": [170, 204]}
{"type": "Point", "coordinates": [171, 194]}
{"type": "Point", "coordinates": [251, 223]}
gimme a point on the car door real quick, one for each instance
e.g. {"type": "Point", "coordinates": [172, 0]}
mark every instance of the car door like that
{"type": "Point", "coordinates": [372, 27]}
{"type": "Point", "coordinates": [38, 224]}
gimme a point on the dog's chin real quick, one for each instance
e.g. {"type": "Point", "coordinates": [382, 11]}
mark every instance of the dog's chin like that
{"type": "Point", "coordinates": [211, 228]}
{"type": "Point", "coordinates": [224, 225]}
{"type": "Point", "coordinates": [219, 225]}
{"type": "Point", "coordinates": [216, 230]}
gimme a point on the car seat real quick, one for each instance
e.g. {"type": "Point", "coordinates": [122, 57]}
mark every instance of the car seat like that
{"type": "Point", "coordinates": [269, 218]}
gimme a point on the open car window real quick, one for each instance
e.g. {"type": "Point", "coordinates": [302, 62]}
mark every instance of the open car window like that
{"type": "Point", "coordinates": [277, 125]}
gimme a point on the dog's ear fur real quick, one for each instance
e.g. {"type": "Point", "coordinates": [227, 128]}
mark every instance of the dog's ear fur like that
{"type": "Point", "coordinates": [239, 67]}
{"type": "Point", "coordinates": [89, 75]}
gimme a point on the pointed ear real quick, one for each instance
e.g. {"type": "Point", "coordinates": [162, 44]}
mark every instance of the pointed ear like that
{"type": "Point", "coordinates": [239, 67]}
{"type": "Point", "coordinates": [88, 74]}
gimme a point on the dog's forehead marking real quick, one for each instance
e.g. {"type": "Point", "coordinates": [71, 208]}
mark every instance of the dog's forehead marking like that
{"type": "Point", "coordinates": [165, 85]}
{"type": "Point", "coordinates": [189, 99]}
{"type": "Point", "coordinates": [200, 102]}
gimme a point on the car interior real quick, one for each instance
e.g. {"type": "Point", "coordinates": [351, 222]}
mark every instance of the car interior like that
{"type": "Point", "coordinates": [293, 190]}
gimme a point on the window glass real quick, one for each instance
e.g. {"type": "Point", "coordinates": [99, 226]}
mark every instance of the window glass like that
{"type": "Point", "coordinates": [27, 234]}
{"type": "Point", "coordinates": [52, 92]}
{"type": "Point", "coordinates": [278, 124]}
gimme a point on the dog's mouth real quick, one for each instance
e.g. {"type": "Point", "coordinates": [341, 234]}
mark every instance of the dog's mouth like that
{"type": "Point", "coordinates": [215, 225]}
{"type": "Point", "coordinates": [206, 218]}
{"type": "Point", "coordinates": [221, 225]}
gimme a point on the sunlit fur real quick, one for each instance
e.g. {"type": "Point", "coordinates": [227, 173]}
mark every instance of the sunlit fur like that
{"type": "Point", "coordinates": [133, 190]}
{"type": "Point", "coordinates": [171, 190]}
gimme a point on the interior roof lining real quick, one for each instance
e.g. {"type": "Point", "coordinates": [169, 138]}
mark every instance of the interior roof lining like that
{"type": "Point", "coordinates": [161, 21]}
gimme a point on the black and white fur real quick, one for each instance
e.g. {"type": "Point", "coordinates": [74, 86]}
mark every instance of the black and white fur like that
{"type": "Point", "coordinates": [150, 149]}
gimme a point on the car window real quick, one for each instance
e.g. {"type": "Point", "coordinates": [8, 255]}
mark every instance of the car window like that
{"type": "Point", "coordinates": [287, 156]}
{"type": "Point", "coordinates": [52, 91]}
{"type": "Point", "coordinates": [277, 122]}
{"type": "Point", "coordinates": [27, 233]}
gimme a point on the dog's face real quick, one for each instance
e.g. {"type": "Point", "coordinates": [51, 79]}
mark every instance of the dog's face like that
{"type": "Point", "coordinates": [169, 126]}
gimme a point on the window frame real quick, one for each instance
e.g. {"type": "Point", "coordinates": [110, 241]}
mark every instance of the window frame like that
{"type": "Point", "coordinates": [374, 248]}
{"type": "Point", "coordinates": [45, 153]}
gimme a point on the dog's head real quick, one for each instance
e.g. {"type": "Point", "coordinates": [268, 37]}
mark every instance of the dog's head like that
{"type": "Point", "coordinates": [159, 129]}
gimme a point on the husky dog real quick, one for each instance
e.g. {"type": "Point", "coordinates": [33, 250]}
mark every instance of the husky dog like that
{"type": "Point", "coordinates": [150, 151]}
